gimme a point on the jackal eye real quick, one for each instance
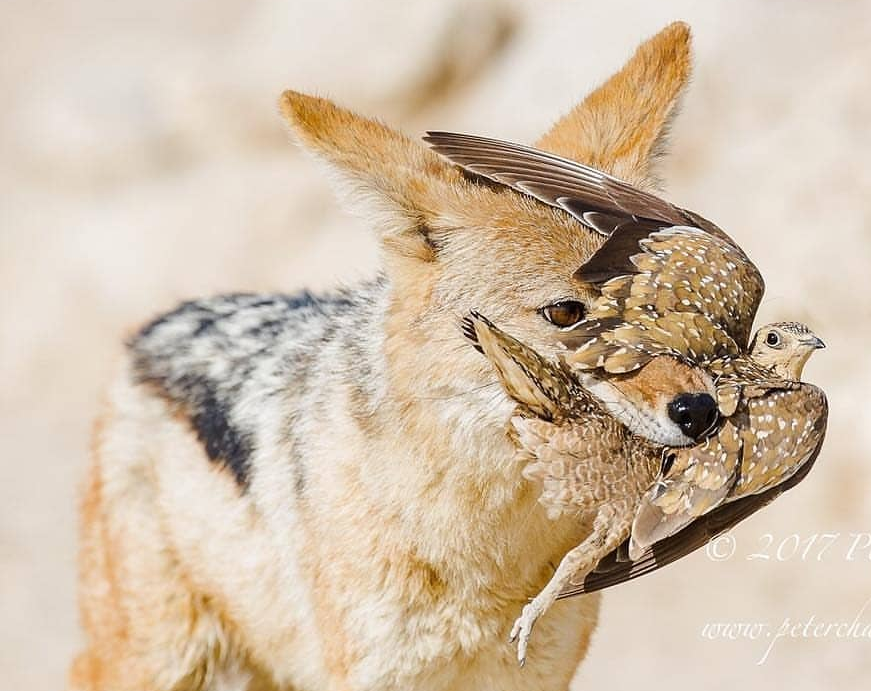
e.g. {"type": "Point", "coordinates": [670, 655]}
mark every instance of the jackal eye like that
{"type": "Point", "coordinates": [564, 313]}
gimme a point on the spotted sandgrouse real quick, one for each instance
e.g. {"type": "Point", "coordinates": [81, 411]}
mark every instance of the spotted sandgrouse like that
{"type": "Point", "coordinates": [671, 283]}
{"type": "Point", "coordinates": [773, 431]}
{"type": "Point", "coordinates": [588, 462]}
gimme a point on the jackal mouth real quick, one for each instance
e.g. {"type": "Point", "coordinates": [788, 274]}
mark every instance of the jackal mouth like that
{"type": "Point", "coordinates": [652, 423]}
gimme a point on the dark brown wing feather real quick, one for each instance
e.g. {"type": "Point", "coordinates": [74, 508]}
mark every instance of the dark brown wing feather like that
{"type": "Point", "coordinates": [556, 181]}
{"type": "Point", "coordinates": [614, 257]}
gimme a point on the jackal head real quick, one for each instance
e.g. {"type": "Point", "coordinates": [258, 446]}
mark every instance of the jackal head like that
{"type": "Point", "coordinates": [452, 243]}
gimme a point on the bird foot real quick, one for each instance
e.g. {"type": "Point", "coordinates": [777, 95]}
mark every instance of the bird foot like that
{"type": "Point", "coordinates": [522, 629]}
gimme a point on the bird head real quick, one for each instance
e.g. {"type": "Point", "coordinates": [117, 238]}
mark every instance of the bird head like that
{"type": "Point", "coordinates": [784, 347]}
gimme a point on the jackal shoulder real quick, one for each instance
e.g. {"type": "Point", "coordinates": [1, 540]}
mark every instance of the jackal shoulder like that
{"type": "Point", "coordinates": [214, 359]}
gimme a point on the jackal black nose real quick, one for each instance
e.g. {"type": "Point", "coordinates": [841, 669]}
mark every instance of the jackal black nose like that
{"type": "Point", "coordinates": [694, 413]}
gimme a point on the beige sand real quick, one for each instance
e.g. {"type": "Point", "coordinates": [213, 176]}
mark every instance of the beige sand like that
{"type": "Point", "coordinates": [142, 161]}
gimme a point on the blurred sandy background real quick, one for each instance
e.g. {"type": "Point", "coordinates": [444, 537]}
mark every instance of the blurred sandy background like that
{"type": "Point", "coordinates": [142, 161]}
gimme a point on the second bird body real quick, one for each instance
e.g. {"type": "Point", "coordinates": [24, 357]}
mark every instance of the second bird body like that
{"type": "Point", "coordinates": [588, 463]}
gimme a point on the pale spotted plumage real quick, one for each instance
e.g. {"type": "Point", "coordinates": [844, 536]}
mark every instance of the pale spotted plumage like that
{"type": "Point", "coordinates": [774, 426]}
{"type": "Point", "coordinates": [586, 461]}
{"type": "Point", "coordinates": [784, 429]}
{"type": "Point", "coordinates": [618, 567]}
{"type": "Point", "coordinates": [764, 443]}
{"type": "Point", "coordinates": [670, 283]}
{"type": "Point", "coordinates": [688, 293]}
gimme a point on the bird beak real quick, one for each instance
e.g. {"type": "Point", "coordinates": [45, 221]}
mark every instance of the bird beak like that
{"type": "Point", "coordinates": [814, 342]}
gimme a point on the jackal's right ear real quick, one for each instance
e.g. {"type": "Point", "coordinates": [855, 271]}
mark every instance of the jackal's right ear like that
{"type": "Point", "coordinates": [400, 182]}
{"type": "Point", "coordinates": [621, 126]}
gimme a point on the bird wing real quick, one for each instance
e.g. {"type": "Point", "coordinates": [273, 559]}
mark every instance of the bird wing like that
{"type": "Point", "coordinates": [687, 293]}
{"type": "Point", "coordinates": [684, 269]}
{"type": "Point", "coordinates": [617, 567]}
{"type": "Point", "coordinates": [699, 480]}
{"type": "Point", "coordinates": [784, 429]}
{"type": "Point", "coordinates": [618, 347]}
{"type": "Point", "coordinates": [656, 257]}
{"type": "Point", "coordinates": [540, 386]}
{"type": "Point", "coordinates": [659, 255]}
{"type": "Point", "coordinates": [807, 403]}
{"type": "Point", "coordinates": [598, 200]}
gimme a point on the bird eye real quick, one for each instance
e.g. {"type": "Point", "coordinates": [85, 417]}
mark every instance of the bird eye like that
{"type": "Point", "coordinates": [773, 339]}
{"type": "Point", "coordinates": [565, 313]}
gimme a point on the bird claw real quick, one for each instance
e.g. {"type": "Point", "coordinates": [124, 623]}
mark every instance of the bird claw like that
{"type": "Point", "coordinates": [522, 630]}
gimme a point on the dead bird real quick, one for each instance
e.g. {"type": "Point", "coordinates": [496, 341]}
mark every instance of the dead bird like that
{"type": "Point", "coordinates": [640, 494]}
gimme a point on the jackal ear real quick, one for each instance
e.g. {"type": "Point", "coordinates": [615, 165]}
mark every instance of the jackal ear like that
{"type": "Point", "coordinates": [621, 126]}
{"type": "Point", "coordinates": [399, 184]}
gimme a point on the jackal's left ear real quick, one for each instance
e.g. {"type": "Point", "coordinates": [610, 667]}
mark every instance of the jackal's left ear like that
{"type": "Point", "coordinates": [621, 126]}
{"type": "Point", "coordinates": [403, 184]}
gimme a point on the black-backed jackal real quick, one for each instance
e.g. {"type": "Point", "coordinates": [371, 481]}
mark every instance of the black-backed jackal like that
{"type": "Point", "coordinates": [318, 493]}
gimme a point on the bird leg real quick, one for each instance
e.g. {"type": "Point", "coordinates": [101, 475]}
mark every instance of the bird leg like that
{"type": "Point", "coordinates": [604, 537]}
